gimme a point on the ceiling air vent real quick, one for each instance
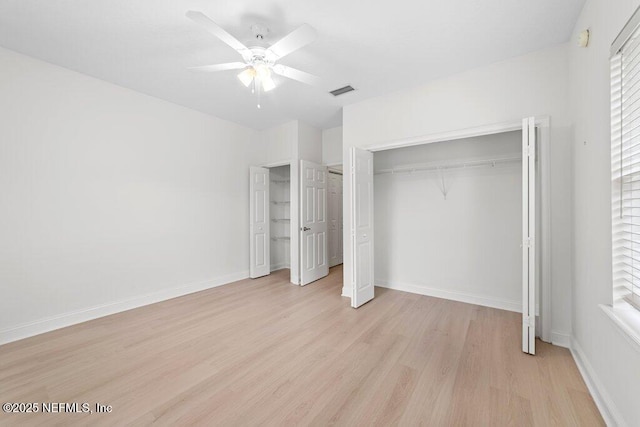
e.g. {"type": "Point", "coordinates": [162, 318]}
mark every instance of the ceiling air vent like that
{"type": "Point", "coordinates": [338, 92]}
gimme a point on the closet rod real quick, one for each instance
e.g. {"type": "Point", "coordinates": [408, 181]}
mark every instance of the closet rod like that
{"type": "Point", "coordinates": [449, 166]}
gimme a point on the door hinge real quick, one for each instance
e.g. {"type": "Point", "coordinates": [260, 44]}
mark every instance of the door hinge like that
{"type": "Point", "coordinates": [529, 321]}
{"type": "Point", "coordinates": [528, 242]}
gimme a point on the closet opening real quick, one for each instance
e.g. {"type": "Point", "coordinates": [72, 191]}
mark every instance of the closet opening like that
{"type": "Point", "coordinates": [448, 219]}
{"type": "Point", "coordinates": [273, 218]}
{"type": "Point", "coordinates": [280, 214]}
{"type": "Point", "coordinates": [458, 218]}
{"type": "Point", "coordinates": [289, 220]}
{"type": "Point", "coordinates": [334, 214]}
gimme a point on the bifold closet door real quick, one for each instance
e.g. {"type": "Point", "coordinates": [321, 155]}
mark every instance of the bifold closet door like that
{"type": "Point", "coordinates": [528, 235]}
{"type": "Point", "coordinates": [313, 222]}
{"type": "Point", "coordinates": [260, 256]}
{"type": "Point", "coordinates": [361, 169]}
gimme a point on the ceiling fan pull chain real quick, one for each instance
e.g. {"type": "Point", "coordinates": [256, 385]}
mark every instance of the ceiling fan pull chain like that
{"type": "Point", "coordinates": [257, 86]}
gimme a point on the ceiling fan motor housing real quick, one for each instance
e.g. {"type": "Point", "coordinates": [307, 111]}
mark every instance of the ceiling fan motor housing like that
{"type": "Point", "coordinates": [258, 55]}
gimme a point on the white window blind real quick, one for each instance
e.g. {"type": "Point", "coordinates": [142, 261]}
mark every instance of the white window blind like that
{"type": "Point", "coordinates": [625, 166]}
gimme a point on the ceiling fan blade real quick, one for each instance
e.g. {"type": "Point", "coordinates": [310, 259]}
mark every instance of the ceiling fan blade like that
{"type": "Point", "coordinates": [293, 41]}
{"type": "Point", "coordinates": [220, 67]}
{"type": "Point", "coordinates": [292, 73]}
{"type": "Point", "coordinates": [216, 30]}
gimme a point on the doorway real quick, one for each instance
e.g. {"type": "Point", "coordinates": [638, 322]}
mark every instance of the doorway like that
{"type": "Point", "coordinates": [334, 207]}
{"type": "Point", "coordinates": [361, 272]}
{"type": "Point", "coordinates": [288, 220]}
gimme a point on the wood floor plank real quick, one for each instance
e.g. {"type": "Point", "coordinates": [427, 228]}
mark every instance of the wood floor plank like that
{"type": "Point", "coordinates": [265, 352]}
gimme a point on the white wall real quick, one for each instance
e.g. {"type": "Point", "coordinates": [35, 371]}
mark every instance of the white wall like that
{"type": "Point", "coordinates": [309, 143]}
{"type": "Point", "coordinates": [110, 198]}
{"type": "Point", "coordinates": [277, 144]}
{"type": "Point", "coordinates": [291, 140]}
{"type": "Point", "coordinates": [530, 85]}
{"type": "Point", "coordinates": [332, 146]}
{"type": "Point", "coordinates": [466, 247]}
{"type": "Point", "coordinates": [613, 362]}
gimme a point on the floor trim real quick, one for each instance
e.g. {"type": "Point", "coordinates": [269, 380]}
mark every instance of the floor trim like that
{"type": "Point", "coordinates": [561, 339]}
{"type": "Point", "coordinates": [515, 306]}
{"type": "Point", "coordinates": [280, 266]}
{"type": "Point", "coordinates": [603, 401]}
{"type": "Point", "coordinates": [48, 324]}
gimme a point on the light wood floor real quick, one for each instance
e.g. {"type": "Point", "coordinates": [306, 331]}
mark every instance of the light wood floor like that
{"type": "Point", "coordinates": [266, 352]}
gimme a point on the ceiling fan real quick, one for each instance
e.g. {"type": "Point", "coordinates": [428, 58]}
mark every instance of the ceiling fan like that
{"type": "Point", "coordinates": [260, 62]}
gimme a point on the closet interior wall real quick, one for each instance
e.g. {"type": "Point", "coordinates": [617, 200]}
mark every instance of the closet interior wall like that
{"type": "Point", "coordinates": [448, 219]}
{"type": "Point", "coordinates": [280, 213]}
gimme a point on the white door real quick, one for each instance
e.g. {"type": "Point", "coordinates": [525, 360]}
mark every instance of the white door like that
{"type": "Point", "coordinates": [528, 235]}
{"type": "Point", "coordinates": [260, 262]}
{"type": "Point", "coordinates": [334, 203]}
{"type": "Point", "coordinates": [361, 165]}
{"type": "Point", "coordinates": [313, 222]}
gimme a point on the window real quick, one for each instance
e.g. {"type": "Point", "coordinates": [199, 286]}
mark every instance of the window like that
{"type": "Point", "coordinates": [625, 162]}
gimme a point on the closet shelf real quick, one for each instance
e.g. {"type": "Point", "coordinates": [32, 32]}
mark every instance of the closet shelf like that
{"type": "Point", "coordinates": [431, 167]}
{"type": "Point", "coordinates": [283, 238]}
{"type": "Point", "coordinates": [281, 181]}
{"type": "Point", "coordinates": [280, 203]}
{"type": "Point", "coordinates": [280, 219]}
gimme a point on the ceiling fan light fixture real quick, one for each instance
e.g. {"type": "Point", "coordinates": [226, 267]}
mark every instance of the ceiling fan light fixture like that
{"type": "Point", "coordinates": [267, 83]}
{"type": "Point", "coordinates": [247, 76]}
{"type": "Point", "coordinates": [262, 71]}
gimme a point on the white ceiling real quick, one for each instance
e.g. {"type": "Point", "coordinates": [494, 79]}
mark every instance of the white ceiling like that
{"type": "Point", "coordinates": [377, 46]}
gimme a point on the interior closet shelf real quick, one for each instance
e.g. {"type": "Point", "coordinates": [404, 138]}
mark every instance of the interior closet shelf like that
{"type": "Point", "coordinates": [280, 203]}
{"type": "Point", "coordinates": [281, 181]}
{"type": "Point", "coordinates": [283, 238]}
{"type": "Point", "coordinates": [431, 167]}
{"type": "Point", "coordinates": [280, 219]}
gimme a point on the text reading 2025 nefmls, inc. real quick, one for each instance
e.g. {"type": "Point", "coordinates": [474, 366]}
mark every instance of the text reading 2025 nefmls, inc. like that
{"type": "Point", "coordinates": [56, 408]}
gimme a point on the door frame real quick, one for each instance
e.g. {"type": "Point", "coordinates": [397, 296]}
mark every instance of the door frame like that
{"type": "Point", "coordinates": [543, 125]}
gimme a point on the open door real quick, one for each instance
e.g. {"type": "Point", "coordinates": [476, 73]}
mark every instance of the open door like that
{"type": "Point", "coordinates": [313, 222]}
{"type": "Point", "coordinates": [361, 165]}
{"type": "Point", "coordinates": [260, 258]}
{"type": "Point", "coordinates": [528, 235]}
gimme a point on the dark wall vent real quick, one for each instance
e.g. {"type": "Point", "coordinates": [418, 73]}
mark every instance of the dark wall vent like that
{"type": "Point", "coordinates": [341, 91]}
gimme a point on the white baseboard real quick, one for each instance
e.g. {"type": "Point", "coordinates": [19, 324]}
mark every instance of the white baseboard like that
{"type": "Point", "coordinates": [561, 339]}
{"type": "Point", "coordinates": [48, 324]}
{"type": "Point", "coordinates": [607, 408]}
{"type": "Point", "coordinates": [452, 295]}
{"type": "Point", "coordinates": [277, 267]}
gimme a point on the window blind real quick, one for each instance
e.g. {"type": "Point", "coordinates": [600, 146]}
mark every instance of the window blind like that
{"type": "Point", "coordinates": [625, 168]}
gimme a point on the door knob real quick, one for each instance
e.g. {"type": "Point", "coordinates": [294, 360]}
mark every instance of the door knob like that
{"type": "Point", "coordinates": [305, 229]}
